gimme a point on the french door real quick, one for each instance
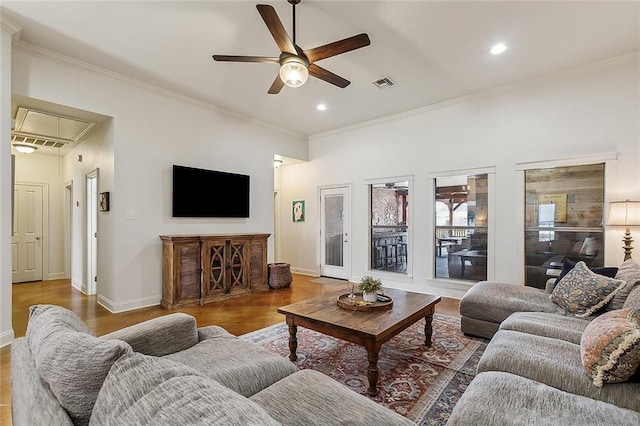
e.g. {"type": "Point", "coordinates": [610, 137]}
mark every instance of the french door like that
{"type": "Point", "coordinates": [335, 232]}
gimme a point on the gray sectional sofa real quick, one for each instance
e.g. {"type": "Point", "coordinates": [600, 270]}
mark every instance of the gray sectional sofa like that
{"type": "Point", "coordinates": [533, 370]}
{"type": "Point", "coordinates": [167, 371]}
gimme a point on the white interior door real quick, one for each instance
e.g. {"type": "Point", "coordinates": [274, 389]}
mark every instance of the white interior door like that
{"type": "Point", "coordinates": [26, 242]}
{"type": "Point", "coordinates": [92, 232]}
{"type": "Point", "coordinates": [335, 232]}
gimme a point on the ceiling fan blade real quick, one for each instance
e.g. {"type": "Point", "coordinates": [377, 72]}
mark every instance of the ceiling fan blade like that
{"type": "Point", "coordinates": [328, 76]}
{"type": "Point", "coordinates": [337, 47]}
{"type": "Point", "coordinates": [232, 58]}
{"type": "Point", "coordinates": [276, 86]}
{"type": "Point", "coordinates": [276, 28]}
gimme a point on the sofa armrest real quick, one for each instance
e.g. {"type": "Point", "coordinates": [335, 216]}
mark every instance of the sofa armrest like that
{"type": "Point", "coordinates": [160, 336]}
{"type": "Point", "coordinates": [211, 331]}
{"type": "Point", "coordinates": [550, 285]}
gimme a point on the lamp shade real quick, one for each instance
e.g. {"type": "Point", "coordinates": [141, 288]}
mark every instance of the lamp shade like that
{"type": "Point", "coordinates": [624, 213]}
{"type": "Point", "coordinates": [294, 72]}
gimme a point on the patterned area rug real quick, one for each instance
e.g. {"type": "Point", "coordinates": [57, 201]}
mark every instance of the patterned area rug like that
{"type": "Point", "coordinates": [423, 384]}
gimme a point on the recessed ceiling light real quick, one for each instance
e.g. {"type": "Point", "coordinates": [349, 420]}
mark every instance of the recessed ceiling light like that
{"type": "Point", "coordinates": [498, 48]}
{"type": "Point", "coordinates": [321, 107]}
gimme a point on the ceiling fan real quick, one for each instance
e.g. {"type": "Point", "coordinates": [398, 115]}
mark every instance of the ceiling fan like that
{"type": "Point", "coordinates": [296, 64]}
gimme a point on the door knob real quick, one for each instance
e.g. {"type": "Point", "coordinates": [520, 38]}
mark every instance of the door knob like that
{"type": "Point", "coordinates": [37, 238]}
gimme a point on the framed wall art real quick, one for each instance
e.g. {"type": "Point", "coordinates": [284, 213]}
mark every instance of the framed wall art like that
{"type": "Point", "coordinates": [298, 211]}
{"type": "Point", "coordinates": [103, 201]}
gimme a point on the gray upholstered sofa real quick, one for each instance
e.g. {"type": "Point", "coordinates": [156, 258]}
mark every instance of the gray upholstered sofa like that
{"type": "Point", "coordinates": [533, 370]}
{"type": "Point", "coordinates": [168, 371]}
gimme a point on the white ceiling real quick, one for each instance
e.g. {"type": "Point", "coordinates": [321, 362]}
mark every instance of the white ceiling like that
{"type": "Point", "coordinates": [434, 51]}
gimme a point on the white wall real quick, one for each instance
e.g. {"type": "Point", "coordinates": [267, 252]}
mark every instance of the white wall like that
{"type": "Point", "coordinates": [97, 154]}
{"type": "Point", "coordinates": [150, 131]}
{"type": "Point", "coordinates": [589, 111]}
{"type": "Point", "coordinates": [6, 330]}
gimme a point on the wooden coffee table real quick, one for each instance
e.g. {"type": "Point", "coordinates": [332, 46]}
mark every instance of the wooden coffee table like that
{"type": "Point", "coordinates": [367, 328]}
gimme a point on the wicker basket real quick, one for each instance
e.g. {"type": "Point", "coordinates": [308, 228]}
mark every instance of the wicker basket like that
{"type": "Point", "coordinates": [279, 275]}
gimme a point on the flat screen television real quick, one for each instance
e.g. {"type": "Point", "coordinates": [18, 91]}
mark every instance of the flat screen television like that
{"type": "Point", "coordinates": [209, 193]}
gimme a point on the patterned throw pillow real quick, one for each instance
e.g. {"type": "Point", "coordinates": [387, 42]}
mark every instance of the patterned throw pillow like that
{"type": "Point", "coordinates": [629, 272]}
{"type": "Point", "coordinates": [582, 292]}
{"type": "Point", "coordinates": [610, 347]}
{"type": "Point", "coordinates": [568, 264]}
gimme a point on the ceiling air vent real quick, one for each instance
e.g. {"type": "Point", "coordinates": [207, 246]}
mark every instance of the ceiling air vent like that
{"type": "Point", "coordinates": [383, 83]}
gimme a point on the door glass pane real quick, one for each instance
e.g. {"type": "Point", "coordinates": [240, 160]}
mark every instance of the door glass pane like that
{"type": "Point", "coordinates": [461, 227]}
{"type": "Point", "coordinates": [563, 219]}
{"type": "Point", "coordinates": [334, 230]}
{"type": "Point", "coordinates": [389, 226]}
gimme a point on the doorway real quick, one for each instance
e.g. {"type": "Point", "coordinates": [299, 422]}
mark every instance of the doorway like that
{"type": "Point", "coordinates": [335, 232]}
{"type": "Point", "coordinates": [92, 232]}
{"type": "Point", "coordinates": [27, 235]}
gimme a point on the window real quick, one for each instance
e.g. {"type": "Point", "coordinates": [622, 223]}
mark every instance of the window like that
{"type": "Point", "coordinates": [389, 226]}
{"type": "Point", "coordinates": [563, 219]}
{"type": "Point", "coordinates": [462, 215]}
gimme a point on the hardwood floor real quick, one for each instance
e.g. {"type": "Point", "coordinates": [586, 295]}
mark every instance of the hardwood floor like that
{"type": "Point", "coordinates": [238, 316]}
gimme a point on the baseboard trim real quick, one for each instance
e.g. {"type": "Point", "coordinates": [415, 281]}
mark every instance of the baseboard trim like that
{"type": "Point", "coordinates": [303, 271]}
{"type": "Point", "coordinates": [129, 305]}
{"type": "Point", "coordinates": [450, 288]}
{"type": "Point", "coordinates": [6, 338]}
{"type": "Point", "coordinates": [56, 276]}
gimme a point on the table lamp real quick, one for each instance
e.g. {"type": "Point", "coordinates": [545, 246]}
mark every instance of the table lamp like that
{"type": "Point", "coordinates": [625, 213]}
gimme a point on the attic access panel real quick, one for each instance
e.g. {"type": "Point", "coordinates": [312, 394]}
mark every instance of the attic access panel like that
{"type": "Point", "coordinates": [43, 128]}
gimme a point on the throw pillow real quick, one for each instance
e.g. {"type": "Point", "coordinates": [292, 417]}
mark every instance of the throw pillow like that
{"type": "Point", "coordinates": [610, 347]}
{"type": "Point", "coordinates": [582, 292]}
{"type": "Point", "coordinates": [72, 361]}
{"type": "Point", "coordinates": [633, 299]}
{"type": "Point", "coordinates": [568, 264]}
{"type": "Point", "coordinates": [145, 390]}
{"type": "Point", "coordinates": [629, 271]}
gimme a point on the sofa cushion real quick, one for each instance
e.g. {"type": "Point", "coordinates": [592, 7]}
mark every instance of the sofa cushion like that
{"type": "Point", "coordinates": [610, 347]}
{"type": "Point", "coordinates": [554, 362]}
{"type": "Point", "coordinates": [241, 366]}
{"type": "Point", "coordinates": [496, 398]}
{"type": "Point", "coordinates": [629, 271]}
{"type": "Point", "coordinates": [317, 399]}
{"type": "Point", "coordinates": [494, 301]}
{"type": "Point", "coordinates": [146, 390]}
{"type": "Point", "coordinates": [582, 292]}
{"type": "Point", "coordinates": [42, 318]}
{"type": "Point", "coordinates": [31, 398]}
{"type": "Point", "coordinates": [547, 325]}
{"type": "Point", "coordinates": [568, 265]}
{"type": "Point", "coordinates": [73, 363]}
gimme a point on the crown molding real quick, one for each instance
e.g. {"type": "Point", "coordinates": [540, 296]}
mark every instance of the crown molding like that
{"type": "Point", "coordinates": [12, 28]}
{"type": "Point", "coordinates": [50, 55]}
{"type": "Point", "coordinates": [594, 66]}
{"type": "Point", "coordinates": [576, 160]}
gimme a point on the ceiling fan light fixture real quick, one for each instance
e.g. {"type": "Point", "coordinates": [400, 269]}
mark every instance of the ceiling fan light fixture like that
{"type": "Point", "coordinates": [24, 148]}
{"type": "Point", "coordinates": [498, 48]}
{"type": "Point", "coordinates": [294, 72]}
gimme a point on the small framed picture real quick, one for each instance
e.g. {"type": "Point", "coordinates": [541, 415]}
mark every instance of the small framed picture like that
{"type": "Point", "coordinates": [298, 211]}
{"type": "Point", "coordinates": [103, 200]}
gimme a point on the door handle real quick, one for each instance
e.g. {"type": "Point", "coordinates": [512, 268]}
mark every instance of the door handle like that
{"type": "Point", "coordinates": [37, 238]}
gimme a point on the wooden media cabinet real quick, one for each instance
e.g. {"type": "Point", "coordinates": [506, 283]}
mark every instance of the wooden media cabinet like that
{"type": "Point", "coordinates": [198, 269]}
